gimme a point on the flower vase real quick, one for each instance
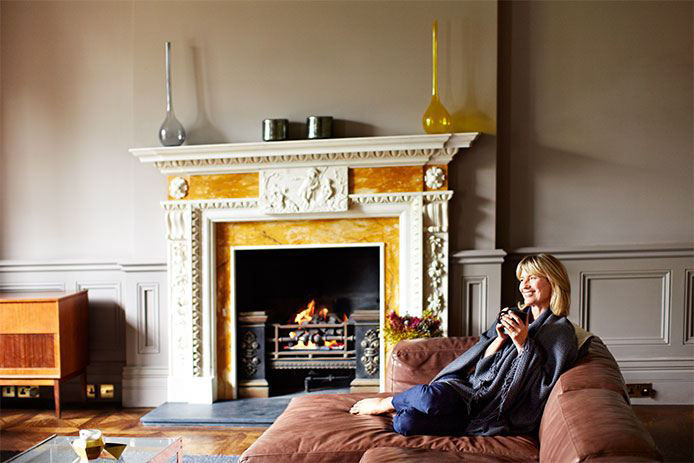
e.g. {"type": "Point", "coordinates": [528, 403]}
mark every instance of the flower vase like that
{"type": "Point", "coordinates": [436, 118]}
{"type": "Point", "coordinates": [171, 132]}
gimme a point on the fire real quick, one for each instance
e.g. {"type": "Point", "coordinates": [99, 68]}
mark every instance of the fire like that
{"type": "Point", "coordinates": [301, 345]}
{"type": "Point", "coordinates": [318, 329]}
{"type": "Point", "coordinates": [312, 345]}
{"type": "Point", "coordinates": [305, 316]}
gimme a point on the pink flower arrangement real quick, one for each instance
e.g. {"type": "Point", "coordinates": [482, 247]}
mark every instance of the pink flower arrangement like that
{"type": "Point", "coordinates": [398, 328]}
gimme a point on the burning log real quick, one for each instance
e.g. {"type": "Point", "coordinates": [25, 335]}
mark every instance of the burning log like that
{"type": "Point", "coordinates": [314, 329]}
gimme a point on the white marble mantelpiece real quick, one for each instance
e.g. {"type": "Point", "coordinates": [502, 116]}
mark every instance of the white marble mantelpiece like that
{"type": "Point", "coordinates": [405, 150]}
{"type": "Point", "coordinates": [286, 170]}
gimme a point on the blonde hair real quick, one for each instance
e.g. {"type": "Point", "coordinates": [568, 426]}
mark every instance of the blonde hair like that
{"type": "Point", "coordinates": [548, 266]}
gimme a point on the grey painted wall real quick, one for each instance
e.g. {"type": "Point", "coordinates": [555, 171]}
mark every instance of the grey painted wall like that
{"type": "Point", "coordinates": [596, 108]}
{"type": "Point", "coordinates": [83, 81]}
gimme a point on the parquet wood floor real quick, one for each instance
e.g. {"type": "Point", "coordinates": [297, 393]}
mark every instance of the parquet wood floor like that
{"type": "Point", "coordinates": [20, 429]}
{"type": "Point", "coordinates": [672, 427]}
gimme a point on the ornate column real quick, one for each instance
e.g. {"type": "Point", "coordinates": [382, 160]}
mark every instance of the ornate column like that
{"type": "Point", "coordinates": [436, 253]}
{"type": "Point", "coordinates": [179, 266]}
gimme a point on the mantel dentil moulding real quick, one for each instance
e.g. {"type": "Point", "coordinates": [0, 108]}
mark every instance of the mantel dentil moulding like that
{"type": "Point", "coordinates": [313, 189]}
{"type": "Point", "coordinates": [382, 151]}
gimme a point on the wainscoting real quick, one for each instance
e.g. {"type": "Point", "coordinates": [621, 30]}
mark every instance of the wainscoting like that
{"type": "Point", "coordinates": [639, 300]}
{"type": "Point", "coordinates": [128, 320]}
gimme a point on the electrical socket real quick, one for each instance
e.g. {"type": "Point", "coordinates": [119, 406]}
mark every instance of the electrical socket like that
{"type": "Point", "coordinates": [106, 391]}
{"type": "Point", "coordinates": [23, 392]}
{"type": "Point", "coordinates": [91, 391]}
{"type": "Point", "coordinates": [641, 390]}
{"type": "Point", "coordinates": [34, 392]}
{"type": "Point", "coordinates": [8, 391]}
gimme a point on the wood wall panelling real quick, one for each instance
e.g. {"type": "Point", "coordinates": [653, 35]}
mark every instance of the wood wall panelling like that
{"type": "Point", "coordinates": [22, 287]}
{"type": "Point", "coordinates": [106, 321]}
{"type": "Point", "coordinates": [148, 333]}
{"type": "Point", "coordinates": [627, 307]}
{"type": "Point", "coordinates": [475, 290]}
{"type": "Point", "coordinates": [689, 307]}
{"type": "Point", "coordinates": [475, 303]}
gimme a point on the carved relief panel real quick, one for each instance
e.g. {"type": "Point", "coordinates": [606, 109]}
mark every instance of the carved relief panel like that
{"type": "Point", "coordinates": [312, 189]}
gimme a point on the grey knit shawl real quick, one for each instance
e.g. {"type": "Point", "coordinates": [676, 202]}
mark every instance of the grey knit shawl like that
{"type": "Point", "coordinates": [506, 392]}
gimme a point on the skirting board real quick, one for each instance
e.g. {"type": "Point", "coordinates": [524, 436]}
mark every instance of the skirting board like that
{"type": "Point", "coordinates": [671, 387]}
{"type": "Point", "coordinates": [144, 387]}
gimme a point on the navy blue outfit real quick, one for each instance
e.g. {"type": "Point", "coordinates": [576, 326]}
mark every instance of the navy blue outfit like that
{"type": "Point", "coordinates": [435, 409]}
{"type": "Point", "coordinates": [503, 393]}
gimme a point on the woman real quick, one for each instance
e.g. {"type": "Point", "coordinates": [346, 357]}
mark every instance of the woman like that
{"type": "Point", "coordinates": [500, 385]}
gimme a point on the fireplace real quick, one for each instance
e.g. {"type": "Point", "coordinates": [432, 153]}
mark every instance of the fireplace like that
{"type": "Point", "coordinates": [225, 199]}
{"type": "Point", "coordinates": [280, 279]}
{"type": "Point", "coordinates": [308, 306]}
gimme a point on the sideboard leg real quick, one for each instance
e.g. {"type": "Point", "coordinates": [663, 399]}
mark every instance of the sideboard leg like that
{"type": "Point", "coordinates": [56, 396]}
{"type": "Point", "coordinates": [83, 385]}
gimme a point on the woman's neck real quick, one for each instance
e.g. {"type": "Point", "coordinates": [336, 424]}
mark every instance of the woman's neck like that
{"type": "Point", "coordinates": [537, 310]}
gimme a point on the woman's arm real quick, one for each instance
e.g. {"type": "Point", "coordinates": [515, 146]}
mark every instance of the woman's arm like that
{"type": "Point", "coordinates": [496, 344]}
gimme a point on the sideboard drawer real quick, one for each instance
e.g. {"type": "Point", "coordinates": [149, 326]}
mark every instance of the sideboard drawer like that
{"type": "Point", "coordinates": [28, 317]}
{"type": "Point", "coordinates": [27, 351]}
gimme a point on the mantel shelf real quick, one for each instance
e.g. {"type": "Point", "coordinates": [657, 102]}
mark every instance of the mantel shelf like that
{"type": "Point", "coordinates": [353, 152]}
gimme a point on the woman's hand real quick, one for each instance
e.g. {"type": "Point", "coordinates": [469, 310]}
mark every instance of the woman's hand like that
{"type": "Point", "coordinates": [373, 406]}
{"type": "Point", "coordinates": [500, 331]}
{"type": "Point", "coordinates": [516, 328]}
{"type": "Point", "coordinates": [499, 341]}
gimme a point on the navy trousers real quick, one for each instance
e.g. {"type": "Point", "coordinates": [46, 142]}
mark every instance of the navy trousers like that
{"type": "Point", "coordinates": [429, 409]}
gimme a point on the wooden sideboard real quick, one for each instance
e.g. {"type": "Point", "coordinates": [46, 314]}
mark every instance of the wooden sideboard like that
{"type": "Point", "coordinates": [43, 339]}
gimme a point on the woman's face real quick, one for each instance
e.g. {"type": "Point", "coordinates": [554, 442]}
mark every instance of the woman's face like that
{"type": "Point", "coordinates": [536, 290]}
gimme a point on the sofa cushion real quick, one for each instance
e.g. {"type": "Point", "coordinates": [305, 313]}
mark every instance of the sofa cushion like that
{"type": "Point", "coordinates": [417, 361]}
{"type": "Point", "coordinates": [400, 455]}
{"type": "Point", "coordinates": [597, 370]}
{"type": "Point", "coordinates": [593, 423]}
{"type": "Point", "coordinates": [319, 429]}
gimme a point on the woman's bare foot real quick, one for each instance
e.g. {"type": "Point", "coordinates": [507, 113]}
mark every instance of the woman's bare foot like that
{"type": "Point", "coordinates": [373, 406]}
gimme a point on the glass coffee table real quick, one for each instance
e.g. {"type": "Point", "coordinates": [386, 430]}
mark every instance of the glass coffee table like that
{"type": "Point", "coordinates": [58, 449]}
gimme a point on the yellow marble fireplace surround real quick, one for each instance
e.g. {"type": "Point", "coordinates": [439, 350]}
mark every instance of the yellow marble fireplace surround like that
{"type": "Point", "coordinates": [294, 232]}
{"type": "Point", "coordinates": [383, 190]}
